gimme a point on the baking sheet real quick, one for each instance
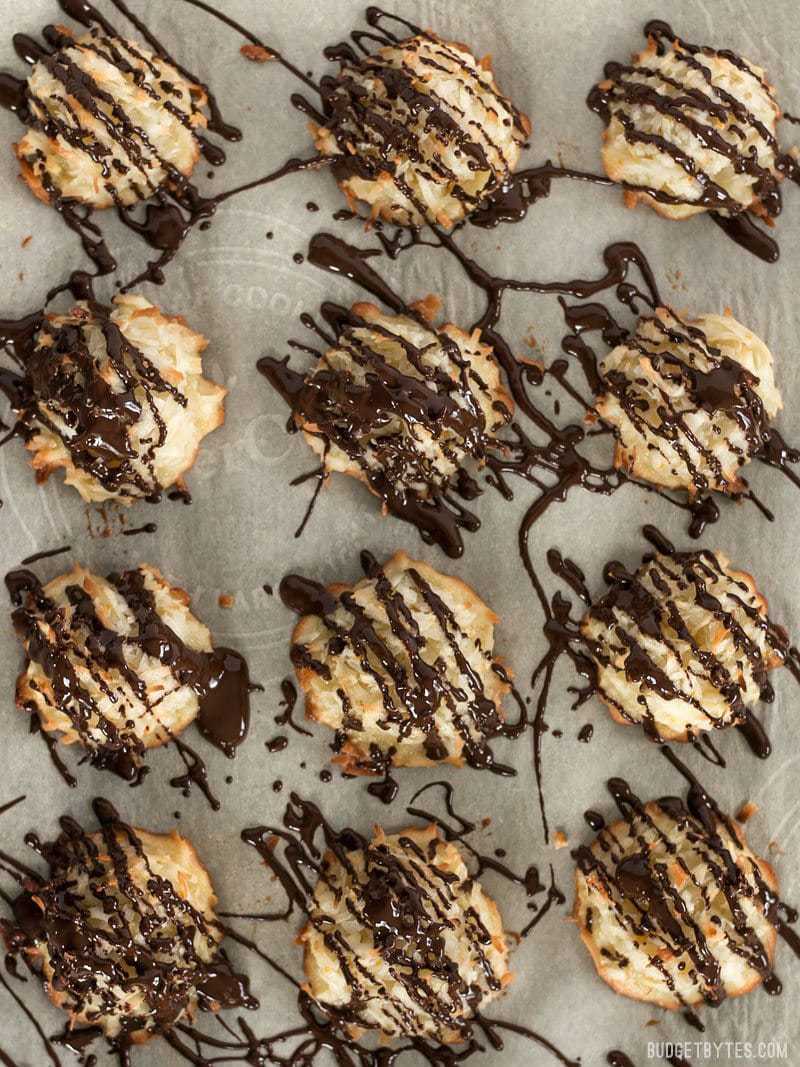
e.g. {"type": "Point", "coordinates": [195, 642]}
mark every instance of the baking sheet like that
{"type": "Point", "coordinates": [245, 293]}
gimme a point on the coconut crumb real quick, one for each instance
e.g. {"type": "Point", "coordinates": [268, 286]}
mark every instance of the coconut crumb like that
{"type": "Point", "coordinates": [256, 53]}
{"type": "Point", "coordinates": [429, 307]}
{"type": "Point", "coordinates": [746, 811]}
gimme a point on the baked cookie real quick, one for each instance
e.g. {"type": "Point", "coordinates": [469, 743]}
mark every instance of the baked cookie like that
{"type": "Point", "coordinates": [683, 645]}
{"type": "Point", "coordinates": [401, 665]}
{"type": "Point", "coordinates": [405, 407]}
{"type": "Point", "coordinates": [690, 401]}
{"type": "Point", "coordinates": [119, 665]}
{"type": "Point", "coordinates": [401, 939]}
{"type": "Point", "coordinates": [110, 122]}
{"type": "Point", "coordinates": [423, 132]}
{"type": "Point", "coordinates": [116, 397]}
{"type": "Point", "coordinates": [123, 931]}
{"type": "Point", "coordinates": [690, 129]}
{"type": "Point", "coordinates": [673, 907]}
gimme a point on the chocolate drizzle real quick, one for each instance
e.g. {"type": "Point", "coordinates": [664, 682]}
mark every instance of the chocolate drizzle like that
{"type": "Point", "coordinates": [644, 619]}
{"type": "Point", "coordinates": [645, 900]}
{"type": "Point", "coordinates": [458, 828]}
{"type": "Point", "coordinates": [694, 571]}
{"type": "Point", "coordinates": [62, 388]}
{"type": "Point", "coordinates": [515, 451]}
{"type": "Point", "coordinates": [411, 674]}
{"type": "Point", "coordinates": [64, 649]}
{"type": "Point", "coordinates": [696, 414]}
{"type": "Point", "coordinates": [404, 414]}
{"type": "Point", "coordinates": [705, 114]}
{"type": "Point", "coordinates": [559, 455]}
{"type": "Point", "coordinates": [293, 852]}
{"type": "Point", "coordinates": [106, 923]}
{"type": "Point", "coordinates": [388, 120]}
{"type": "Point", "coordinates": [173, 206]}
{"type": "Point", "coordinates": [171, 215]}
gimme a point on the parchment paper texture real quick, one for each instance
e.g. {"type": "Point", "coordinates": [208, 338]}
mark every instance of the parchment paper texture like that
{"type": "Point", "coordinates": [245, 293]}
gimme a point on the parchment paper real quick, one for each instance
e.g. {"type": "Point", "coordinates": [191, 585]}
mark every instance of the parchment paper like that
{"type": "Point", "coordinates": [244, 293]}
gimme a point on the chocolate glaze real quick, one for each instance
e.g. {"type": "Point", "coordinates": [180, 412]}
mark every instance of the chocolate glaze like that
{"type": "Point", "coordinates": [422, 688]}
{"type": "Point", "coordinates": [219, 678]}
{"type": "Point", "coordinates": [352, 116]}
{"type": "Point", "coordinates": [458, 828]}
{"type": "Point", "coordinates": [695, 571]}
{"type": "Point", "coordinates": [59, 386]}
{"type": "Point", "coordinates": [701, 112]}
{"type": "Point", "coordinates": [175, 207]}
{"type": "Point", "coordinates": [442, 519]}
{"type": "Point", "coordinates": [293, 852]}
{"type": "Point", "coordinates": [564, 638]}
{"type": "Point", "coordinates": [85, 958]}
{"type": "Point", "coordinates": [351, 414]}
{"type": "Point", "coordinates": [661, 907]}
{"type": "Point", "coordinates": [712, 382]}
{"type": "Point", "coordinates": [559, 455]}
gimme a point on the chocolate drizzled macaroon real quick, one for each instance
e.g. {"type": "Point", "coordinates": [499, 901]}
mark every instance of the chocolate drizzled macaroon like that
{"type": "Point", "coordinates": [690, 129]}
{"type": "Point", "coordinates": [115, 397]}
{"type": "Point", "coordinates": [401, 939]}
{"type": "Point", "coordinates": [683, 645]}
{"type": "Point", "coordinates": [109, 121]}
{"type": "Point", "coordinates": [689, 400]}
{"type": "Point", "coordinates": [123, 931]}
{"type": "Point", "coordinates": [400, 665]}
{"type": "Point", "coordinates": [423, 131]}
{"type": "Point", "coordinates": [405, 407]}
{"type": "Point", "coordinates": [119, 665]}
{"type": "Point", "coordinates": [672, 904]}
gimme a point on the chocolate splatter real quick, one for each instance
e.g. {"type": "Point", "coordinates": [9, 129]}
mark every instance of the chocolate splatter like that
{"type": "Point", "coordinates": [219, 679]}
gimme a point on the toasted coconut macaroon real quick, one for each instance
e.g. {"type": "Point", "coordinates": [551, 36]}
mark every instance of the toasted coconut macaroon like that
{"type": "Point", "coordinates": [110, 122]}
{"type": "Point", "coordinates": [120, 665]}
{"type": "Point", "coordinates": [116, 397]}
{"type": "Point", "coordinates": [690, 129]}
{"type": "Point", "coordinates": [402, 939]}
{"type": "Point", "coordinates": [423, 131]}
{"type": "Point", "coordinates": [690, 401]}
{"type": "Point", "coordinates": [683, 645]}
{"type": "Point", "coordinates": [407, 408]}
{"type": "Point", "coordinates": [123, 931]}
{"type": "Point", "coordinates": [673, 906]}
{"type": "Point", "coordinates": [401, 665]}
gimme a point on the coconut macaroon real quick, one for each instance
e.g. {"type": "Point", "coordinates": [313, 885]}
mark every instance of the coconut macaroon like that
{"type": "Point", "coordinates": [116, 397]}
{"type": "Point", "coordinates": [110, 122]}
{"type": "Point", "coordinates": [673, 906]}
{"type": "Point", "coordinates": [422, 129]}
{"type": "Point", "coordinates": [690, 129]}
{"type": "Point", "coordinates": [401, 939]}
{"type": "Point", "coordinates": [689, 400]}
{"type": "Point", "coordinates": [401, 665]}
{"type": "Point", "coordinates": [406, 407]}
{"type": "Point", "coordinates": [683, 645]}
{"type": "Point", "coordinates": [117, 665]}
{"type": "Point", "coordinates": [123, 931]}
